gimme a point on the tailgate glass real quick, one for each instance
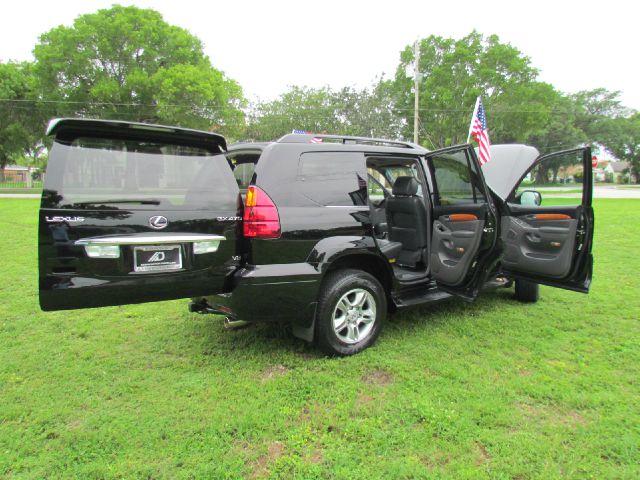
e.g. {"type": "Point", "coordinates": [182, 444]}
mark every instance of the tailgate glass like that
{"type": "Point", "coordinates": [131, 174]}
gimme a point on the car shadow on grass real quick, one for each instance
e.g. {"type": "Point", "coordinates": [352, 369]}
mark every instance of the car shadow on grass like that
{"type": "Point", "coordinates": [266, 339]}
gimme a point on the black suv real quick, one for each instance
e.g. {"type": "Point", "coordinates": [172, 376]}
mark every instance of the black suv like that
{"type": "Point", "coordinates": [328, 233]}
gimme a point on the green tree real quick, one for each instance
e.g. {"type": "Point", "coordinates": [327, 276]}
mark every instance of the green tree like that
{"type": "Point", "coordinates": [368, 112]}
{"type": "Point", "coordinates": [348, 111]}
{"type": "Point", "coordinates": [622, 139]}
{"type": "Point", "coordinates": [18, 114]}
{"type": "Point", "coordinates": [454, 73]}
{"type": "Point", "coordinates": [299, 108]}
{"type": "Point", "coordinates": [128, 63]}
{"type": "Point", "coordinates": [559, 132]}
{"type": "Point", "coordinates": [594, 109]}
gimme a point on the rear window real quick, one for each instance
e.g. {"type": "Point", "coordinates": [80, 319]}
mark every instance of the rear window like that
{"type": "Point", "coordinates": [134, 174]}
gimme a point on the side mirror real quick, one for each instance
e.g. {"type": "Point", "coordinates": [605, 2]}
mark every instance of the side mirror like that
{"type": "Point", "coordinates": [530, 198]}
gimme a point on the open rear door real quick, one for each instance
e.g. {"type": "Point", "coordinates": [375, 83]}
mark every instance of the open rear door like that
{"type": "Point", "coordinates": [547, 222]}
{"type": "Point", "coordinates": [464, 226]}
{"type": "Point", "coordinates": [134, 213]}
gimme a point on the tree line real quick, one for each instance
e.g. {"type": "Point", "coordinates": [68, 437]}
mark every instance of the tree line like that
{"type": "Point", "coordinates": [128, 63]}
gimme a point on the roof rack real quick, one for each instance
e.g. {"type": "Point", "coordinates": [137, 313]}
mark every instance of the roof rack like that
{"type": "Point", "coordinates": [309, 137]}
{"type": "Point", "coordinates": [241, 146]}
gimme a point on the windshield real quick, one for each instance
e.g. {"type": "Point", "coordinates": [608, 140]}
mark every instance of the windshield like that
{"type": "Point", "coordinates": [135, 174]}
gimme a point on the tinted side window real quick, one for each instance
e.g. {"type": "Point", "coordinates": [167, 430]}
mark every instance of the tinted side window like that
{"type": "Point", "coordinates": [333, 178]}
{"type": "Point", "coordinates": [384, 177]}
{"type": "Point", "coordinates": [243, 173]}
{"type": "Point", "coordinates": [456, 180]}
{"type": "Point", "coordinates": [244, 166]}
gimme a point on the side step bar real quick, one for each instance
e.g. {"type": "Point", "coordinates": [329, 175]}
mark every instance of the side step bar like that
{"type": "Point", "coordinates": [417, 298]}
{"type": "Point", "coordinates": [432, 293]}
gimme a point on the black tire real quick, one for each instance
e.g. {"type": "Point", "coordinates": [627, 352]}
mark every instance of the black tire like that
{"type": "Point", "coordinates": [349, 283]}
{"type": "Point", "coordinates": [527, 292]}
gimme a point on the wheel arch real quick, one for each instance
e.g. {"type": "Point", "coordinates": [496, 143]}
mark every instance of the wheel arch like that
{"type": "Point", "coordinates": [339, 253]}
{"type": "Point", "coordinates": [346, 278]}
{"type": "Point", "coordinates": [368, 262]}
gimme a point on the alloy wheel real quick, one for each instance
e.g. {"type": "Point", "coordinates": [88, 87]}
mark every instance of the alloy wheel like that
{"type": "Point", "coordinates": [354, 316]}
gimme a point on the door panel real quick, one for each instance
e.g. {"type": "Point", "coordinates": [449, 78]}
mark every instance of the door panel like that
{"type": "Point", "coordinates": [455, 246]}
{"type": "Point", "coordinates": [130, 215]}
{"type": "Point", "coordinates": [551, 243]}
{"type": "Point", "coordinates": [463, 230]}
{"type": "Point", "coordinates": [539, 246]}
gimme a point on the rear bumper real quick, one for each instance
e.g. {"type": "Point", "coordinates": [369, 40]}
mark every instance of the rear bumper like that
{"type": "Point", "coordinates": [272, 293]}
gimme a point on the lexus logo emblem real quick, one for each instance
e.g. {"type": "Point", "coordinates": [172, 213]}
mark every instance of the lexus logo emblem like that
{"type": "Point", "coordinates": [158, 222]}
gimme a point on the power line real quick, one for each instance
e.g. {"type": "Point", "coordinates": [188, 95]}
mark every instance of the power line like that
{"type": "Point", "coordinates": [217, 107]}
{"type": "Point", "coordinates": [426, 134]}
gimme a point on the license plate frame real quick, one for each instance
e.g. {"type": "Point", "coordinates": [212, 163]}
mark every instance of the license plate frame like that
{"type": "Point", "coordinates": [153, 258]}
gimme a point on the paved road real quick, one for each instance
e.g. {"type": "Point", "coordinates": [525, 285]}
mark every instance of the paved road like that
{"type": "Point", "coordinates": [19, 195]}
{"type": "Point", "coordinates": [599, 192]}
{"type": "Point", "coordinates": [613, 192]}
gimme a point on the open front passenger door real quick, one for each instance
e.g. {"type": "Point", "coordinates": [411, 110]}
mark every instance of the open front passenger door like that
{"type": "Point", "coordinates": [464, 226]}
{"type": "Point", "coordinates": [134, 213]}
{"type": "Point", "coordinates": [547, 222]}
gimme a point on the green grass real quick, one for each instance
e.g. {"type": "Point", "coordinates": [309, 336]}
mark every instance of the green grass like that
{"type": "Point", "coordinates": [35, 185]}
{"type": "Point", "coordinates": [493, 389]}
{"type": "Point", "coordinates": [558, 191]}
{"type": "Point", "coordinates": [20, 190]}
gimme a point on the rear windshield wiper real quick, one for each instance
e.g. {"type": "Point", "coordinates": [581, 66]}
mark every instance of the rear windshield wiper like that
{"type": "Point", "coordinates": [122, 200]}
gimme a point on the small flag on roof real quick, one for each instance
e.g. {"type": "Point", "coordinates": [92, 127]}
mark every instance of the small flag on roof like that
{"type": "Point", "coordinates": [480, 132]}
{"type": "Point", "coordinates": [304, 132]}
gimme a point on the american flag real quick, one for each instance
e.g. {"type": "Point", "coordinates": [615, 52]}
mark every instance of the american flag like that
{"type": "Point", "coordinates": [480, 132]}
{"type": "Point", "coordinates": [304, 132]}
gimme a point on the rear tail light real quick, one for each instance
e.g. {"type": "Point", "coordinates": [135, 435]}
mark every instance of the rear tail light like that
{"type": "Point", "coordinates": [260, 218]}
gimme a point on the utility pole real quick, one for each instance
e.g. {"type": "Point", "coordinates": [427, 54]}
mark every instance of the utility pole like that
{"type": "Point", "coordinates": [416, 106]}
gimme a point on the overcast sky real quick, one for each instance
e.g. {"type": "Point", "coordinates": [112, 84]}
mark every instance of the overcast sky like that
{"type": "Point", "coordinates": [268, 45]}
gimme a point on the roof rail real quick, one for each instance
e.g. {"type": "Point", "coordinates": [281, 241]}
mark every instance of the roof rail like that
{"type": "Point", "coordinates": [309, 137]}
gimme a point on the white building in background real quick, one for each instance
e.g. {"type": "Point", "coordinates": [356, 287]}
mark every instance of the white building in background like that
{"type": "Point", "coordinates": [610, 168]}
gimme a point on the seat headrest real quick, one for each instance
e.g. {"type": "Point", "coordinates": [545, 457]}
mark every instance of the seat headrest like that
{"type": "Point", "coordinates": [405, 186]}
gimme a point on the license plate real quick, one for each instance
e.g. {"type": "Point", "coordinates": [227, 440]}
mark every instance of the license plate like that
{"type": "Point", "coordinates": [157, 258]}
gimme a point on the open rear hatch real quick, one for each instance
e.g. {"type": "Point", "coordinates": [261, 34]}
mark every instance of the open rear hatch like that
{"type": "Point", "coordinates": [134, 213]}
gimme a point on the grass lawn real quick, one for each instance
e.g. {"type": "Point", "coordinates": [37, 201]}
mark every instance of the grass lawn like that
{"type": "Point", "coordinates": [559, 191]}
{"type": "Point", "coordinates": [20, 187]}
{"type": "Point", "coordinates": [21, 190]}
{"type": "Point", "coordinates": [493, 389]}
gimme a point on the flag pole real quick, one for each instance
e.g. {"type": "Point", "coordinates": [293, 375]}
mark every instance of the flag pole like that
{"type": "Point", "coordinates": [475, 110]}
